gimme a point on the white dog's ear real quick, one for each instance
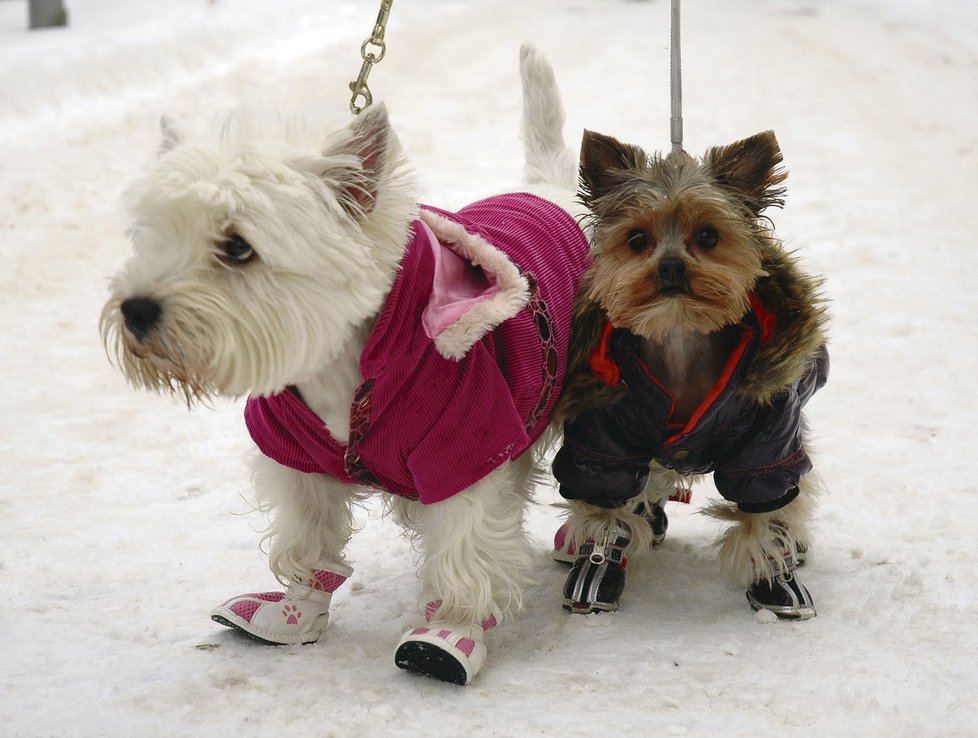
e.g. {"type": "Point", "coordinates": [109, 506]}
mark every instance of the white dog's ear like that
{"type": "Point", "coordinates": [369, 143]}
{"type": "Point", "coordinates": [171, 135]}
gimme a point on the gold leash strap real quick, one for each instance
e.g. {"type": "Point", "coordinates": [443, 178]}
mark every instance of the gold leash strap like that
{"type": "Point", "coordinates": [361, 93]}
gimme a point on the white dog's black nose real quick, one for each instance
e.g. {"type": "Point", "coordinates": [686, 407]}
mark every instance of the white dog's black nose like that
{"type": "Point", "coordinates": [140, 314]}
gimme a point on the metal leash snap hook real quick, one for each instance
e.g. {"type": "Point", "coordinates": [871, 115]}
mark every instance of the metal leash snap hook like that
{"type": "Point", "coordinates": [364, 93]}
{"type": "Point", "coordinates": [369, 56]}
{"type": "Point", "coordinates": [376, 40]}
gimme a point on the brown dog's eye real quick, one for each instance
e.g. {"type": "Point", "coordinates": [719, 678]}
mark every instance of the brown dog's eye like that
{"type": "Point", "coordinates": [638, 240]}
{"type": "Point", "coordinates": [706, 238]}
{"type": "Point", "coordinates": [235, 250]}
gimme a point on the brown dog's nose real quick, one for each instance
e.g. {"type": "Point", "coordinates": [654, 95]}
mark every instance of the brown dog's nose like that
{"type": "Point", "coordinates": [672, 270]}
{"type": "Point", "coordinates": [141, 313]}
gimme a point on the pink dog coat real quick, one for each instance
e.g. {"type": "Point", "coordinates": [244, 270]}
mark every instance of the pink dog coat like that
{"type": "Point", "coordinates": [465, 362]}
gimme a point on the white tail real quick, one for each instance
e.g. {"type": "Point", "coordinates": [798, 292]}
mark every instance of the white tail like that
{"type": "Point", "coordinates": [548, 160]}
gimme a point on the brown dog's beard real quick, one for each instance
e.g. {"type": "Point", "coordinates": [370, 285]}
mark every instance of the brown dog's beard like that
{"type": "Point", "coordinates": [712, 294]}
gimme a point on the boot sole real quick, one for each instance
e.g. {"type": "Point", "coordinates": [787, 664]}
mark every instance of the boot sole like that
{"type": "Point", "coordinates": [234, 626]}
{"type": "Point", "coordinates": [784, 612]}
{"type": "Point", "coordinates": [430, 661]}
{"type": "Point", "coordinates": [586, 608]}
{"type": "Point", "coordinates": [802, 613]}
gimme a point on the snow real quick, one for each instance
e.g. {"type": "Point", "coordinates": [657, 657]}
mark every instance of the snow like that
{"type": "Point", "coordinates": [124, 517]}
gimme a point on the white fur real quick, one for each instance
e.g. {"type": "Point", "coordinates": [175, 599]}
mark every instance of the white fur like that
{"type": "Point", "coordinates": [548, 160]}
{"type": "Point", "coordinates": [328, 214]}
{"type": "Point", "coordinates": [325, 271]}
{"type": "Point", "coordinates": [475, 555]}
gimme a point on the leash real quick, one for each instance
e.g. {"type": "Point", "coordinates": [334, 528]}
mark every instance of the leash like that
{"type": "Point", "coordinates": [363, 98]}
{"type": "Point", "coordinates": [375, 40]}
{"type": "Point", "coordinates": [676, 83]}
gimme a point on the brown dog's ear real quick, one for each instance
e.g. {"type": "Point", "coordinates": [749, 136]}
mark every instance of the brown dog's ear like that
{"type": "Point", "coordinates": [604, 160]}
{"type": "Point", "coordinates": [751, 168]}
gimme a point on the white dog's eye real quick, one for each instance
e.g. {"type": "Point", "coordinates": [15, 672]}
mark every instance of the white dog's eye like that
{"type": "Point", "coordinates": [235, 250]}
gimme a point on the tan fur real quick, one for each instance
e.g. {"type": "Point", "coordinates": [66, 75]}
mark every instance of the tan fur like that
{"type": "Point", "coordinates": [750, 543]}
{"type": "Point", "coordinates": [795, 299]}
{"type": "Point", "coordinates": [645, 210]}
{"type": "Point", "coordinates": [583, 390]}
{"type": "Point", "coordinates": [592, 523]}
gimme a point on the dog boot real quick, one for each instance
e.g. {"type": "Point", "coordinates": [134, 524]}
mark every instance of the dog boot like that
{"type": "Point", "coordinates": [597, 579]}
{"type": "Point", "coordinates": [565, 551]}
{"type": "Point", "coordinates": [447, 651]}
{"type": "Point", "coordinates": [782, 593]}
{"type": "Point", "coordinates": [298, 615]}
{"type": "Point", "coordinates": [801, 554]}
{"type": "Point", "coordinates": [656, 516]}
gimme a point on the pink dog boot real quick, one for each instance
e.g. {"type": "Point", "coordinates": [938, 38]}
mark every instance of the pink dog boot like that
{"type": "Point", "coordinates": [564, 549]}
{"type": "Point", "coordinates": [298, 615]}
{"type": "Point", "coordinates": [446, 651]}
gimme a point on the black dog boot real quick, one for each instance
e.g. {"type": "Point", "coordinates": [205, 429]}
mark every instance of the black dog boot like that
{"type": "Point", "coordinates": [657, 519]}
{"type": "Point", "coordinates": [783, 594]}
{"type": "Point", "coordinates": [597, 578]}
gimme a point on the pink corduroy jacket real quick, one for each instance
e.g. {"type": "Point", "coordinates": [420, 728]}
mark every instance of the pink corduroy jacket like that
{"type": "Point", "coordinates": [465, 362]}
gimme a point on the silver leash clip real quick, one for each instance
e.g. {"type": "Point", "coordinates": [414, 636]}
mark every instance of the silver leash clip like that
{"type": "Point", "coordinates": [376, 40]}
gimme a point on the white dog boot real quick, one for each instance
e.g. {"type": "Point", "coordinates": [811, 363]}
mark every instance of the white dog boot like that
{"type": "Point", "coordinates": [298, 615]}
{"type": "Point", "coordinates": [447, 651]}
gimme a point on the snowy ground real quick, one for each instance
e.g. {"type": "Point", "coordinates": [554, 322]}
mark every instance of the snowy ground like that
{"type": "Point", "coordinates": [119, 524]}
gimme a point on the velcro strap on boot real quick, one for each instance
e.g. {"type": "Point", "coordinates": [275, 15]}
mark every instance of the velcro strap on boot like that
{"type": "Point", "coordinates": [783, 565]}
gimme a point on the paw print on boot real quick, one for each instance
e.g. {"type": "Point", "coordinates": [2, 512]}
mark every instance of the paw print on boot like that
{"type": "Point", "coordinates": [291, 613]}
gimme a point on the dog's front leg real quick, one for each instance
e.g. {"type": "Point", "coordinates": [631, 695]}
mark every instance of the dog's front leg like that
{"type": "Point", "coordinates": [761, 551]}
{"type": "Point", "coordinates": [475, 559]}
{"type": "Point", "coordinates": [312, 521]}
{"type": "Point", "coordinates": [599, 541]}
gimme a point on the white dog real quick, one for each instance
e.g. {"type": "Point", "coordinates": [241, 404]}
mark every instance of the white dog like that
{"type": "Point", "coordinates": [386, 346]}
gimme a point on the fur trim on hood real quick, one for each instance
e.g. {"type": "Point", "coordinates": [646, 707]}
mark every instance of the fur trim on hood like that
{"type": "Point", "coordinates": [458, 321]}
{"type": "Point", "coordinates": [799, 330]}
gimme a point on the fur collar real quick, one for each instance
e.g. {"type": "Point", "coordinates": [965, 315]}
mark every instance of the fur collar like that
{"type": "Point", "coordinates": [799, 330]}
{"type": "Point", "coordinates": [475, 294]}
